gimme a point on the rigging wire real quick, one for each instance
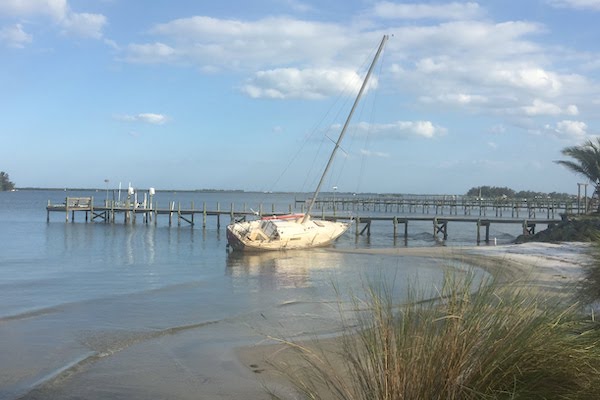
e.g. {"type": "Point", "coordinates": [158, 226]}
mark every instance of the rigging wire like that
{"type": "Point", "coordinates": [369, 133]}
{"type": "Point", "coordinates": [318, 127]}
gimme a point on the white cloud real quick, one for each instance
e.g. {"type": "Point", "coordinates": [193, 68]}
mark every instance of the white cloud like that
{"type": "Point", "coordinates": [448, 11]}
{"type": "Point", "coordinates": [56, 9]}
{"type": "Point", "coordinates": [576, 130]}
{"type": "Point", "coordinates": [150, 53]}
{"type": "Point", "coordinates": [15, 36]}
{"type": "Point", "coordinates": [70, 22]}
{"type": "Point", "coordinates": [150, 118]}
{"type": "Point", "coordinates": [370, 153]}
{"type": "Point", "coordinates": [239, 44]}
{"type": "Point", "coordinates": [487, 67]}
{"type": "Point", "coordinates": [540, 107]}
{"type": "Point", "coordinates": [593, 5]}
{"type": "Point", "coordinates": [531, 78]}
{"type": "Point", "coordinates": [84, 25]}
{"type": "Point", "coordinates": [285, 83]}
{"type": "Point", "coordinates": [461, 99]}
{"type": "Point", "coordinates": [401, 129]}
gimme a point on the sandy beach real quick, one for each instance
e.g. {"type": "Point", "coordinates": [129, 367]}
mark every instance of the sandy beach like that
{"type": "Point", "coordinates": [545, 266]}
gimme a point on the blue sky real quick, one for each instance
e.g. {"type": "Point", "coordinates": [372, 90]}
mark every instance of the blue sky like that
{"type": "Point", "coordinates": [243, 95]}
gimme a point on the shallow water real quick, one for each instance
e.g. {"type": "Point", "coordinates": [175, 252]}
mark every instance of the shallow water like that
{"type": "Point", "coordinates": [95, 310]}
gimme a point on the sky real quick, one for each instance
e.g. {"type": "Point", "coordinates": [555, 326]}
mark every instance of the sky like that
{"type": "Point", "coordinates": [251, 95]}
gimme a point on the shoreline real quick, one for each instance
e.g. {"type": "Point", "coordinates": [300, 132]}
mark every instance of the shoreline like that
{"type": "Point", "coordinates": [546, 266]}
{"type": "Point", "coordinates": [230, 359]}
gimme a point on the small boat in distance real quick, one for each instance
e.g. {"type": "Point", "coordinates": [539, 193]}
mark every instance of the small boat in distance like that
{"type": "Point", "coordinates": [296, 231]}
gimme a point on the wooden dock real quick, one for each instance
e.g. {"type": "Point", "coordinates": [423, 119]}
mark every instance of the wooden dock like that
{"type": "Point", "coordinates": [109, 210]}
{"type": "Point", "coordinates": [453, 205]}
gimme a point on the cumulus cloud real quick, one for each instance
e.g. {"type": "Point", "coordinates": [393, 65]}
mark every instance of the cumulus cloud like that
{"type": "Point", "coordinates": [57, 9]}
{"type": "Point", "coordinates": [401, 129]}
{"type": "Point", "coordinates": [287, 83]}
{"type": "Point", "coordinates": [15, 36]}
{"type": "Point", "coordinates": [370, 153]}
{"type": "Point", "coordinates": [150, 118]}
{"type": "Point", "coordinates": [150, 53]}
{"type": "Point", "coordinates": [464, 60]}
{"type": "Point", "coordinates": [70, 22]}
{"type": "Point", "coordinates": [456, 98]}
{"type": "Point", "coordinates": [84, 25]}
{"type": "Point", "coordinates": [448, 11]}
{"type": "Point", "coordinates": [569, 129]}
{"type": "Point", "coordinates": [540, 107]}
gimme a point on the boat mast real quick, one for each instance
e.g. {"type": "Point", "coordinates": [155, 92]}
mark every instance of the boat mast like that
{"type": "Point", "coordinates": [343, 132]}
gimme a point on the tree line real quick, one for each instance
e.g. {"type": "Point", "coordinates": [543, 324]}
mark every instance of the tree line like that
{"type": "Point", "coordinates": [5, 183]}
{"type": "Point", "coordinates": [491, 192]}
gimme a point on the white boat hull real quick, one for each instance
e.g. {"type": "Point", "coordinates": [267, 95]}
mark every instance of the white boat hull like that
{"type": "Point", "coordinates": [284, 233]}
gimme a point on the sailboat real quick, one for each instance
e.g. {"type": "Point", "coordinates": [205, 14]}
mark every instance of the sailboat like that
{"type": "Point", "coordinates": [296, 231]}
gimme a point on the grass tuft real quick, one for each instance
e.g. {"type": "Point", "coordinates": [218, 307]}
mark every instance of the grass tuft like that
{"type": "Point", "coordinates": [497, 342]}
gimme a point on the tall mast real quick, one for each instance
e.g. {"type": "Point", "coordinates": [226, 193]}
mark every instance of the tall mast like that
{"type": "Point", "coordinates": [343, 132]}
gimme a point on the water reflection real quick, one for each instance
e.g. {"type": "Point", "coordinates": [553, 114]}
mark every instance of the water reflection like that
{"type": "Point", "coordinates": [280, 269]}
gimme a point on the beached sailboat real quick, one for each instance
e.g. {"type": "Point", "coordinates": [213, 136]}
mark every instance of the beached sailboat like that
{"type": "Point", "coordinates": [296, 231]}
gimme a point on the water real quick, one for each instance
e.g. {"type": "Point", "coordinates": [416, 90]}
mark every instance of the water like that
{"type": "Point", "coordinates": [95, 310]}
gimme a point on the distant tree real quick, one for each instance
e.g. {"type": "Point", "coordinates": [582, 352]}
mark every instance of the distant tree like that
{"type": "Point", "coordinates": [490, 192]}
{"type": "Point", "coordinates": [586, 161]}
{"type": "Point", "coordinates": [5, 183]}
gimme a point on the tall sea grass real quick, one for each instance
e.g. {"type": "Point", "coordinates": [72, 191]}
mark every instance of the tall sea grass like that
{"type": "Point", "coordinates": [497, 342]}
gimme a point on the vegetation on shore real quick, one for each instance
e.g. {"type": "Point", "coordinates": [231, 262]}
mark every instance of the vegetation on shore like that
{"type": "Point", "coordinates": [583, 228]}
{"type": "Point", "coordinates": [494, 192]}
{"type": "Point", "coordinates": [499, 342]}
{"type": "Point", "coordinates": [5, 183]}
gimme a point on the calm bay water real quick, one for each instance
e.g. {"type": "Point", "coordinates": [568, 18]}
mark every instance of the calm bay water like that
{"type": "Point", "coordinates": [83, 306]}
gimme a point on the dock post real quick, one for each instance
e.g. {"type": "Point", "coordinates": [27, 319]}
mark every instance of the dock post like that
{"type": "Point", "coordinates": [193, 213]}
{"type": "Point", "coordinates": [91, 210]}
{"type": "Point", "coordinates": [357, 226]}
{"type": "Point", "coordinates": [367, 228]}
{"type": "Point", "coordinates": [48, 212]}
{"type": "Point", "coordinates": [405, 231]}
{"type": "Point", "coordinates": [231, 214]}
{"type": "Point", "coordinates": [395, 227]}
{"type": "Point", "coordinates": [218, 215]}
{"type": "Point", "coordinates": [487, 232]}
{"type": "Point", "coordinates": [435, 227]}
{"type": "Point", "coordinates": [204, 215]}
{"type": "Point", "coordinates": [179, 213]}
{"type": "Point", "coordinates": [155, 213]}
{"type": "Point", "coordinates": [478, 232]}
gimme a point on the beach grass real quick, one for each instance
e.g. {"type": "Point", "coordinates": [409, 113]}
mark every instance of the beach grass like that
{"type": "Point", "coordinates": [499, 341]}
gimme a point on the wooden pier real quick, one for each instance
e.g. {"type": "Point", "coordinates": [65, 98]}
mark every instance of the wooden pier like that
{"type": "Point", "coordinates": [453, 205]}
{"type": "Point", "coordinates": [129, 211]}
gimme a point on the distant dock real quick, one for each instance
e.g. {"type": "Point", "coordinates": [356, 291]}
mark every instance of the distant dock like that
{"type": "Point", "coordinates": [111, 211]}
